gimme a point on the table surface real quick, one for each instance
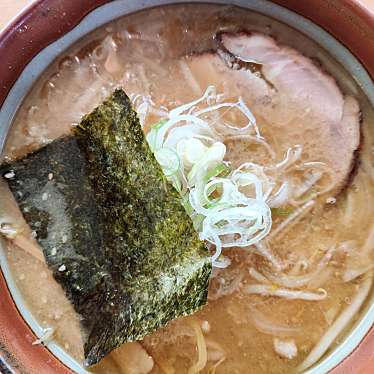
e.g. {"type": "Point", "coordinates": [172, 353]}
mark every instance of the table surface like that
{"type": "Point", "coordinates": [10, 8]}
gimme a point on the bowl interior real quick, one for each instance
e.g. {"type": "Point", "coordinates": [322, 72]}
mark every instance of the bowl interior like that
{"type": "Point", "coordinates": [119, 8]}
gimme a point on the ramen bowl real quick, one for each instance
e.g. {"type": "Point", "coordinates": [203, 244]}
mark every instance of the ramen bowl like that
{"type": "Point", "coordinates": [48, 28]}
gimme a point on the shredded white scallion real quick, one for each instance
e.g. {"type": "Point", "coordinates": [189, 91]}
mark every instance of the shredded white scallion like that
{"type": "Point", "coordinates": [228, 207]}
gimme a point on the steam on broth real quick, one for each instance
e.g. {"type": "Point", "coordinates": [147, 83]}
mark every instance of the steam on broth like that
{"type": "Point", "coordinates": [284, 302]}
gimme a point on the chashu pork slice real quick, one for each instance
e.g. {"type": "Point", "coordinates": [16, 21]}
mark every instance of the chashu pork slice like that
{"type": "Point", "coordinates": [296, 99]}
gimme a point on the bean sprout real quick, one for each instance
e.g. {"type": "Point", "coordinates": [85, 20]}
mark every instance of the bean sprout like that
{"type": "Point", "coordinates": [293, 154]}
{"type": "Point", "coordinates": [258, 276]}
{"type": "Point", "coordinates": [266, 290]}
{"type": "Point", "coordinates": [18, 238]}
{"type": "Point", "coordinates": [263, 250]}
{"type": "Point", "coordinates": [291, 220]}
{"type": "Point", "coordinates": [292, 281]}
{"type": "Point", "coordinates": [281, 197]}
{"type": "Point", "coordinates": [338, 326]}
{"type": "Point", "coordinates": [201, 349]}
{"type": "Point", "coordinates": [212, 369]}
{"type": "Point", "coordinates": [314, 173]}
{"type": "Point", "coordinates": [266, 326]}
{"type": "Point", "coordinates": [351, 274]}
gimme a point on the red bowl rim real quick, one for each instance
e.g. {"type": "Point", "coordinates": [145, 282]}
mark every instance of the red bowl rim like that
{"type": "Point", "coordinates": [45, 21]}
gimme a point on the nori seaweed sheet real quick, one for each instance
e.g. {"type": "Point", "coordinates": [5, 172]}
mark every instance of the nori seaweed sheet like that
{"type": "Point", "coordinates": [112, 229]}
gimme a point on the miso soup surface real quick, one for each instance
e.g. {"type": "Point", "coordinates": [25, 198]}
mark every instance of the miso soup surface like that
{"type": "Point", "coordinates": [145, 54]}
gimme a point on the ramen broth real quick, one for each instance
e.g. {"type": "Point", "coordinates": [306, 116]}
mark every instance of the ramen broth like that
{"type": "Point", "coordinates": [238, 331]}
